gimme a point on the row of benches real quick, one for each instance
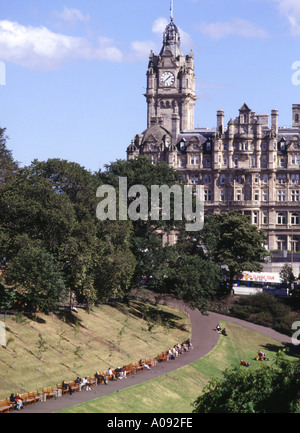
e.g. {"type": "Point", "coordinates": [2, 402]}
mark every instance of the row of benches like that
{"type": "Point", "coordinates": [50, 392]}
{"type": "Point", "coordinates": [47, 393]}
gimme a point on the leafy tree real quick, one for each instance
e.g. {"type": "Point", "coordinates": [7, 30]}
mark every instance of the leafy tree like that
{"type": "Point", "coordinates": [32, 213]}
{"type": "Point", "coordinates": [113, 276]}
{"type": "Point", "coordinates": [231, 241]}
{"type": "Point", "coordinates": [286, 275]}
{"type": "Point", "coordinates": [146, 236]}
{"type": "Point", "coordinates": [190, 278]}
{"type": "Point", "coordinates": [8, 167]}
{"type": "Point", "coordinates": [39, 278]}
{"type": "Point", "coordinates": [7, 297]}
{"type": "Point", "coordinates": [141, 171]}
{"type": "Point", "coordinates": [267, 389]}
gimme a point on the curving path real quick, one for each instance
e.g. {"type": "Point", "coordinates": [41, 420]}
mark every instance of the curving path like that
{"type": "Point", "coordinates": [203, 339]}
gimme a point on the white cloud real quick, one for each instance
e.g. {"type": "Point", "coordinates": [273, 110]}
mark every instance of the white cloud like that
{"type": "Point", "coordinates": [291, 10]}
{"type": "Point", "coordinates": [236, 26]}
{"type": "Point", "coordinates": [141, 49]}
{"type": "Point", "coordinates": [159, 25]}
{"type": "Point", "coordinates": [39, 47]}
{"type": "Point", "coordinates": [72, 16]}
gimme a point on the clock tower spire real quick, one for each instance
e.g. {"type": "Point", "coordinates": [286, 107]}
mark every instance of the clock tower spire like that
{"type": "Point", "coordinates": [171, 92]}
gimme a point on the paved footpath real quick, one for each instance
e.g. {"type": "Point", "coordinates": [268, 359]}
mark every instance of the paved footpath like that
{"type": "Point", "coordinates": [204, 339]}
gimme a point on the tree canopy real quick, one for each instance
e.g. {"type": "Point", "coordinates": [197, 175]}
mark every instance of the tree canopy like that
{"type": "Point", "coordinates": [50, 206]}
{"type": "Point", "coordinates": [267, 389]}
{"type": "Point", "coordinates": [230, 240]}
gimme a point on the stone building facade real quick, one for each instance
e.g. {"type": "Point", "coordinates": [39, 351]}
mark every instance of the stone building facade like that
{"type": "Point", "coordinates": [251, 165]}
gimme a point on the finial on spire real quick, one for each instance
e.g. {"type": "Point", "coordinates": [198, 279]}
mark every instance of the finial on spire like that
{"type": "Point", "coordinates": [171, 9]}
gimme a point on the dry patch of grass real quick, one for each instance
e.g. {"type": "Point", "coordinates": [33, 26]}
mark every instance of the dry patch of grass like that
{"type": "Point", "coordinates": [45, 351]}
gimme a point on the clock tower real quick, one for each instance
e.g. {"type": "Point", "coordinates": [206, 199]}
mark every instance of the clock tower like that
{"type": "Point", "coordinates": [170, 92]}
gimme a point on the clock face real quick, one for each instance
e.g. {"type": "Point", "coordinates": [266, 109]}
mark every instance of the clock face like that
{"type": "Point", "coordinates": [167, 79]}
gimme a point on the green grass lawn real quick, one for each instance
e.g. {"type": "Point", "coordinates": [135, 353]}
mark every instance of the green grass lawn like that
{"type": "Point", "coordinates": [174, 392]}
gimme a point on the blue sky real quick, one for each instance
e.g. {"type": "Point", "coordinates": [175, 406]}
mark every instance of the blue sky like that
{"type": "Point", "coordinates": [75, 71]}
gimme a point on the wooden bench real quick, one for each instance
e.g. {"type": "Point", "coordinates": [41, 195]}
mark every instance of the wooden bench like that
{"type": "Point", "coordinates": [49, 393]}
{"type": "Point", "coordinates": [101, 378]}
{"type": "Point", "coordinates": [31, 397]}
{"type": "Point", "coordinates": [163, 357]}
{"type": "Point", "coordinates": [150, 362]}
{"type": "Point", "coordinates": [129, 369]}
{"type": "Point", "coordinates": [61, 390]}
{"type": "Point", "coordinates": [35, 395]}
{"type": "Point", "coordinates": [92, 381]}
{"type": "Point", "coordinates": [107, 377]}
{"type": "Point", "coordinates": [74, 385]}
{"type": "Point", "coordinates": [6, 405]}
{"type": "Point", "coordinates": [137, 366]}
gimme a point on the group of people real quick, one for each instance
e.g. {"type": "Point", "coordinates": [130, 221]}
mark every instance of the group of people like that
{"type": "Point", "coordinates": [179, 349]}
{"type": "Point", "coordinates": [261, 356]}
{"type": "Point", "coordinates": [222, 331]}
{"type": "Point", "coordinates": [79, 382]}
{"type": "Point", "coordinates": [118, 373]}
{"type": "Point", "coordinates": [17, 401]}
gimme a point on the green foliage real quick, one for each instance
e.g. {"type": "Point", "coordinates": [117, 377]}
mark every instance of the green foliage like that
{"type": "Point", "coordinates": [190, 278]}
{"type": "Point", "coordinates": [231, 240]}
{"type": "Point", "coordinates": [286, 275]}
{"type": "Point", "coordinates": [7, 297]}
{"type": "Point", "coordinates": [8, 167]}
{"type": "Point", "coordinates": [51, 207]}
{"type": "Point", "coordinates": [38, 274]}
{"type": "Point", "coordinates": [266, 310]}
{"type": "Point", "coordinates": [267, 389]}
{"type": "Point", "coordinates": [41, 345]}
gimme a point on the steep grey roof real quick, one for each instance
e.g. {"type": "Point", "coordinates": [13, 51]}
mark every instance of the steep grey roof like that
{"type": "Point", "coordinates": [157, 131]}
{"type": "Point", "coordinates": [171, 40]}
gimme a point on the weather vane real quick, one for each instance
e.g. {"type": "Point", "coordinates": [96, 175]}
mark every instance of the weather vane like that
{"type": "Point", "coordinates": [171, 9]}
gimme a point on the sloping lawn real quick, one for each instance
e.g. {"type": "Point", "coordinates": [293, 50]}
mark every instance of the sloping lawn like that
{"type": "Point", "coordinates": [174, 392]}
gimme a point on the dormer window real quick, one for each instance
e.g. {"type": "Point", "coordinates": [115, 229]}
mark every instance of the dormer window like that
{"type": "Point", "coordinates": [182, 144]}
{"type": "Point", "coordinates": [282, 145]}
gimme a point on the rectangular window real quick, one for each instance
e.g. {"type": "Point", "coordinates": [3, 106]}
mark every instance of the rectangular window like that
{"type": "Point", "coordinates": [255, 217]}
{"type": "Point", "coordinates": [281, 195]}
{"type": "Point", "coordinates": [265, 195]}
{"type": "Point", "coordinates": [265, 218]}
{"type": "Point", "coordinates": [295, 159]}
{"type": "Point", "coordinates": [295, 195]}
{"type": "Point", "coordinates": [281, 178]}
{"type": "Point", "coordinates": [207, 179]}
{"type": "Point", "coordinates": [207, 195]}
{"type": "Point", "coordinates": [282, 162]}
{"type": "Point", "coordinates": [281, 242]}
